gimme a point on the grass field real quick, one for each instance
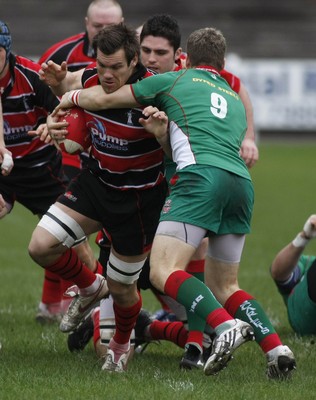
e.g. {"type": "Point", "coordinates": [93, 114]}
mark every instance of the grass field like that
{"type": "Point", "coordinates": [35, 362]}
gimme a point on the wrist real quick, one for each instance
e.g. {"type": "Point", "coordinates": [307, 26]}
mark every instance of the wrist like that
{"type": "Point", "coordinates": [300, 241]}
{"type": "Point", "coordinates": [74, 97]}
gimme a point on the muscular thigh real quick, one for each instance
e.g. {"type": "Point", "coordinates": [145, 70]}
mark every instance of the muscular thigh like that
{"type": "Point", "coordinates": [167, 255]}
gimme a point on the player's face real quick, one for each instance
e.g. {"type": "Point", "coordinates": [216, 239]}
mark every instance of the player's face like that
{"type": "Point", "coordinates": [99, 18]}
{"type": "Point", "coordinates": [3, 55]}
{"type": "Point", "coordinates": [113, 70]}
{"type": "Point", "coordinates": [157, 54]}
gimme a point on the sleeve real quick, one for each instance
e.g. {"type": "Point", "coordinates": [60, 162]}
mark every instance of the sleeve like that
{"type": "Point", "coordinates": [57, 53]}
{"type": "Point", "coordinates": [148, 91]}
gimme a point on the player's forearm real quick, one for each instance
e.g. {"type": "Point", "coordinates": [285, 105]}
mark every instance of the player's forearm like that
{"type": "Point", "coordinates": [165, 144]}
{"type": "Point", "coordinates": [2, 143]}
{"type": "Point", "coordinates": [95, 98]}
{"type": "Point", "coordinates": [243, 94]}
{"type": "Point", "coordinates": [285, 262]}
{"type": "Point", "coordinates": [72, 81]}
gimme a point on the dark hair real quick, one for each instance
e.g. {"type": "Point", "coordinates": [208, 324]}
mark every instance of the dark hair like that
{"type": "Point", "coordinates": [115, 37]}
{"type": "Point", "coordinates": [207, 46]}
{"type": "Point", "coordinates": [163, 25]}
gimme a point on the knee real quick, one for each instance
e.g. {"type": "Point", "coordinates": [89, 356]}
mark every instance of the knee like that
{"type": "Point", "coordinates": [37, 246]}
{"type": "Point", "coordinates": [123, 294]}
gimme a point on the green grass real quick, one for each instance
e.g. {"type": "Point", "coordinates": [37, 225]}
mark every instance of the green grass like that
{"type": "Point", "coordinates": [35, 362]}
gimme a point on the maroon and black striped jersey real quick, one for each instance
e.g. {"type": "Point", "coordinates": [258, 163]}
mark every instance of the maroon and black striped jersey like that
{"type": "Point", "coordinates": [26, 102]}
{"type": "Point", "coordinates": [75, 50]}
{"type": "Point", "coordinates": [123, 155]}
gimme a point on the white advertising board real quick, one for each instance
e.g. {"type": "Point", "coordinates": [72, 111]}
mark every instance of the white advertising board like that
{"type": "Point", "coordinates": [283, 92]}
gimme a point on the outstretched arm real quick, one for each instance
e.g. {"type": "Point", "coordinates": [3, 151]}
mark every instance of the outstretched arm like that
{"type": "Point", "coordinates": [287, 259]}
{"type": "Point", "coordinates": [59, 79]}
{"type": "Point", "coordinates": [95, 98]}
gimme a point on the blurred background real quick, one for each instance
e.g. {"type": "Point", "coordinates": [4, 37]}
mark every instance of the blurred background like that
{"type": "Point", "coordinates": [271, 45]}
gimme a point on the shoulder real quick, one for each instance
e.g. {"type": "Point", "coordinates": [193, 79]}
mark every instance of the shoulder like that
{"type": "Point", "coordinates": [69, 40]}
{"type": "Point", "coordinates": [24, 62]}
{"type": "Point", "coordinates": [90, 76]}
{"type": "Point", "coordinates": [63, 46]}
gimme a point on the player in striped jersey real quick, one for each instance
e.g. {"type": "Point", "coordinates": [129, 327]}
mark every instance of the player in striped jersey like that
{"type": "Point", "coordinates": [37, 177]}
{"type": "Point", "coordinates": [122, 190]}
{"type": "Point", "coordinates": [78, 52]}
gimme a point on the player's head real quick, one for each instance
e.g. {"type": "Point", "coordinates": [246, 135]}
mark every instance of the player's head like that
{"type": "Point", "coordinates": [118, 53]}
{"type": "Point", "coordinates": [5, 40]}
{"type": "Point", "coordinates": [206, 46]}
{"type": "Point", "coordinates": [160, 41]}
{"type": "Point", "coordinates": [101, 13]}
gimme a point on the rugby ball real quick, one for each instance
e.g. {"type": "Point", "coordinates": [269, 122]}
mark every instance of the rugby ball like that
{"type": "Point", "coordinates": [78, 138]}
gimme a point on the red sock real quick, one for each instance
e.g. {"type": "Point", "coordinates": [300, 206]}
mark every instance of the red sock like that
{"type": "Point", "coordinates": [52, 291]}
{"type": "Point", "coordinates": [243, 306]}
{"type": "Point", "coordinates": [185, 288]}
{"type": "Point", "coordinates": [125, 320]}
{"type": "Point", "coordinates": [195, 337]}
{"type": "Point", "coordinates": [99, 268]}
{"type": "Point", "coordinates": [96, 323]}
{"type": "Point", "coordinates": [172, 331]}
{"type": "Point", "coordinates": [70, 267]}
{"type": "Point", "coordinates": [196, 267]}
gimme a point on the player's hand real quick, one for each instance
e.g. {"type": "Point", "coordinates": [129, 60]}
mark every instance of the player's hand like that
{"type": "Point", "coordinates": [42, 132]}
{"type": "Point", "coordinates": [65, 102]}
{"type": "Point", "coordinates": [56, 126]}
{"type": "Point", "coordinates": [6, 161]}
{"type": "Point", "coordinates": [53, 74]}
{"type": "Point", "coordinates": [156, 122]}
{"type": "Point", "coordinates": [249, 152]}
{"type": "Point", "coordinates": [309, 228]}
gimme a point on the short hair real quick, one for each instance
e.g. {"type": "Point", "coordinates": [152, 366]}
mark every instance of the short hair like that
{"type": "Point", "coordinates": [115, 37]}
{"type": "Point", "coordinates": [162, 25]}
{"type": "Point", "coordinates": [207, 46]}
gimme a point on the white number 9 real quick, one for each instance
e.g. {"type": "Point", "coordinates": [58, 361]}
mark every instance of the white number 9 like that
{"type": "Point", "coordinates": [219, 105]}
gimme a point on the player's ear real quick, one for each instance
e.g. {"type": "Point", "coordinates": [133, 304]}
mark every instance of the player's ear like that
{"type": "Point", "coordinates": [188, 62]}
{"type": "Point", "coordinates": [177, 54]}
{"type": "Point", "coordinates": [134, 61]}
